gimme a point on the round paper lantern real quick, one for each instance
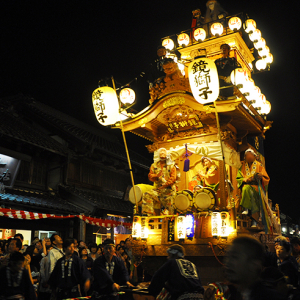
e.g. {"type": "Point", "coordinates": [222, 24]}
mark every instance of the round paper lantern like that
{"type": "Point", "coordinates": [254, 94]}
{"type": "Point", "coordinates": [199, 34]}
{"type": "Point", "coordinates": [250, 25]}
{"type": "Point", "coordinates": [168, 44]}
{"type": "Point", "coordinates": [261, 64]}
{"type": "Point", "coordinates": [106, 105]}
{"type": "Point", "coordinates": [264, 51]}
{"type": "Point", "coordinates": [260, 44]}
{"type": "Point", "coordinates": [259, 101]}
{"type": "Point", "coordinates": [238, 76]}
{"type": "Point", "coordinates": [183, 39]}
{"type": "Point", "coordinates": [266, 108]}
{"type": "Point", "coordinates": [216, 29]}
{"type": "Point", "coordinates": [269, 58]}
{"type": "Point", "coordinates": [127, 96]}
{"type": "Point", "coordinates": [255, 35]}
{"type": "Point", "coordinates": [235, 23]}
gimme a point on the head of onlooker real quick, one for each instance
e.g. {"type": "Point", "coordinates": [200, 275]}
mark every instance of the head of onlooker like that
{"type": "Point", "coordinates": [68, 247]}
{"type": "Point", "coordinates": [82, 244]}
{"type": "Point", "coordinates": [100, 250]}
{"type": "Point", "coordinates": [295, 242]}
{"type": "Point", "coordinates": [109, 249]}
{"type": "Point", "coordinates": [15, 245]}
{"type": "Point", "coordinates": [175, 252]}
{"type": "Point", "coordinates": [128, 244]}
{"type": "Point", "coordinates": [19, 236]}
{"type": "Point", "coordinates": [244, 261]}
{"type": "Point", "coordinates": [283, 250]}
{"type": "Point", "coordinates": [122, 243]}
{"type": "Point", "coordinates": [56, 241]}
{"type": "Point", "coordinates": [16, 262]}
{"type": "Point", "coordinates": [279, 239]}
{"type": "Point", "coordinates": [38, 245]}
{"type": "Point", "coordinates": [93, 248]}
{"type": "Point", "coordinates": [75, 244]}
{"type": "Point", "coordinates": [83, 253]}
{"type": "Point", "coordinates": [48, 243]}
{"type": "Point", "coordinates": [27, 258]}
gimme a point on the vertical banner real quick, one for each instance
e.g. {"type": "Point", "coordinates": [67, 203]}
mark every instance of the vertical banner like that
{"type": "Point", "coordinates": [171, 232]}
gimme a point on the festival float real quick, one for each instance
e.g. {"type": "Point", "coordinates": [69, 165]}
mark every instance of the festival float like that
{"type": "Point", "coordinates": [205, 111]}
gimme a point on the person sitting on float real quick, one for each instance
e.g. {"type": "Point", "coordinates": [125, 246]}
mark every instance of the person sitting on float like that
{"type": "Point", "coordinates": [163, 174]}
{"type": "Point", "coordinates": [214, 11]}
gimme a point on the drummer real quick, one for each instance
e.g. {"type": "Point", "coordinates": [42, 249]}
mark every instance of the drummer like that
{"type": "Point", "coordinates": [209, 175]}
{"type": "Point", "coordinates": [163, 174]}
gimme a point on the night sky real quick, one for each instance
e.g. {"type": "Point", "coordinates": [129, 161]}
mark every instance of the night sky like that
{"type": "Point", "coordinates": [57, 51]}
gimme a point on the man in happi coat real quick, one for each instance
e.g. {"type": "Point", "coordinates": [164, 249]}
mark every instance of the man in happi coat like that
{"type": "Point", "coordinates": [163, 173]}
{"type": "Point", "coordinates": [69, 273]}
{"type": "Point", "coordinates": [248, 176]}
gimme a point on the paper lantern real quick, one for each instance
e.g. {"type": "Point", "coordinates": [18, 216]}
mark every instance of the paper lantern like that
{"type": "Point", "coordinates": [216, 29]}
{"type": "Point", "coordinates": [168, 44]}
{"type": "Point", "coordinates": [136, 227]}
{"type": "Point", "coordinates": [199, 34]}
{"type": "Point", "coordinates": [259, 101]}
{"type": "Point", "coordinates": [190, 226]}
{"type": "Point", "coordinates": [250, 25]}
{"type": "Point", "coordinates": [235, 23]}
{"type": "Point", "coordinates": [264, 51]}
{"type": "Point", "coordinates": [268, 59]}
{"type": "Point", "coordinates": [254, 94]}
{"type": "Point", "coordinates": [183, 39]}
{"type": "Point", "coordinates": [225, 224]}
{"type": "Point", "coordinates": [266, 108]}
{"type": "Point", "coordinates": [255, 35]}
{"type": "Point", "coordinates": [144, 228]}
{"type": "Point", "coordinates": [260, 44]}
{"type": "Point", "coordinates": [181, 227]}
{"type": "Point", "coordinates": [106, 105]}
{"type": "Point", "coordinates": [261, 64]}
{"type": "Point", "coordinates": [127, 96]}
{"type": "Point", "coordinates": [215, 223]}
{"type": "Point", "coordinates": [248, 86]}
{"type": "Point", "coordinates": [238, 77]}
{"type": "Point", "coordinates": [204, 80]}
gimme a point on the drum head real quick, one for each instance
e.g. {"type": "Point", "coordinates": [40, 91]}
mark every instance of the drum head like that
{"type": "Point", "coordinates": [138, 192]}
{"type": "Point", "coordinates": [182, 201]}
{"type": "Point", "coordinates": [204, 199]}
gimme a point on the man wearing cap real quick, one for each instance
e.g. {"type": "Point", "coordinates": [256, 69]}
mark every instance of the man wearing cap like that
{"type": "Point", "coordinates": [178, 277]}
{"type": "Point", "coordinates": [225, 65]}
{"type": "Point", "coordinates": [163, 173]}
{"type": "Point", "coordinates": [248, 177]}
{"type": "Point", "coordinates": [109, 273]}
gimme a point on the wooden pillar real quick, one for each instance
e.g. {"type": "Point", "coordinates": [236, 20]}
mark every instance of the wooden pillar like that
{"type": "Point", "coordinates": [82, 230]}
{"type": "Point", "coordinates": [71, 228]}
{"type": "Point", "coordinates": [222, 185]}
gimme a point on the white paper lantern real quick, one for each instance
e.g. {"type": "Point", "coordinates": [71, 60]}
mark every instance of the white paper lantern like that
{"type": "Point", "coordinates": [250, 25]}
{"type": "Point", "coordinates": [204, 80]}
{"type": "Point", "coordinates": [235, 23]}
{"type": "Point", "coordinates": [260, 44]}
{"type": "Point", "coordinates": [168, 44]}
{"type": "Point", "coordinates": [255, 35]}
{"type": "Point", "coordinates": [264, 51]}
{"type": "Point", "coordinates": [266, 108]}
{"type": "Point", "coordinates": [238, 76]}
{"type": "Point", "coordinates": [254, 94]}
{"type": "Point", "coordinates": [181, 227]}
{"type": "Point", "coordinates": [268, 59]}
{"type": "Point", "coordinates": [215, 223]}
{"type": "Point", "coordinates": [216, 29]}
{"type": "Point", "coordinates": [199, 34]}
{"type": "Point", "coordinates": [259, 101]}
{"type": "Point", "coordinates": [106, 105]}
{"type": "Point", "coordinates": [261, 64]}
{"type": "Point", "coordinates": [136, 227]}
{"type": "Point", "coordinates": [127, 96]}
{"type": "Point", "coordinates": [183, 39]}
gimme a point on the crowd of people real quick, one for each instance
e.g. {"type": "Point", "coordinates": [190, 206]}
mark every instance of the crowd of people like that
{"type": "Point", "coordinates": [61, 269]}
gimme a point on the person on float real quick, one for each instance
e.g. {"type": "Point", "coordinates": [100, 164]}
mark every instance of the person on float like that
{"type": "Point", "coordinates": [163, 174]}
{"type": "Point", "coordinates": [109, 273]}
{"type": "Point", "coordinates": [214, 11]}
{"type": "Point", "coordinates": [69, 272]}
{"type": "Point", "coordinates": [248, 176]}
{"type": "Point", "coordinates": [177, 279]}
{"type": "Point", "coordinates": [225, 65]}
{"type": "Point", "coordinates": [197, 21]}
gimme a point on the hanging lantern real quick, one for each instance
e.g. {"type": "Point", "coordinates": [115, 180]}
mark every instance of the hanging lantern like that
{"type": "Point", "coordinates": [127, 96]}
{"type": "Point", "coordinates": [215, 223]}
{"type": "Point", "coordinates": [238, 77]}
{"type": "Point", "coordinates": [266, 108]}
{"type": "Point", "coordinates": [264, 51]}
{"type": "Point", "coordinates": [235, 23]}
{"type": "Point", "coordinates": [268, 59]}
{"type": "Point", "coordinates": [183, 39]}
{"type": "Point", "coordinates": [260, 44]}
{"type": "Point", "coordinates": [250, 25]}
{"type": "Point", "coordinates": [181, 227]}
{"type": "Point", "coordinates": [259, 101]}
{"type": "Point", "coordinates": [225, 224]}
{"type": "Point", "coordinates": [261, 64]}
{"type": "Point", "coordinates": [199, 34]}
{"type": "Point", "coordinates": [247, 87]}
{"type": "Point", "coordinates": [136, 227]}
{"type": "Point", "coordinates": [144, 228]}
{"type": "Point", "coordinates": [204, 80]}
{"type": "Point", "coordinates": [168, 44]}
{"type": "Point", "coordinates": [255, 35]}
{"type": "Point", "coordinates": [254, 94]}
{"type": "Point", "coordinates": [190, 226]}
{"type": "Point", "coordinates": [216, 29]}
{"type": "Point", "coordinates": [106, 105]}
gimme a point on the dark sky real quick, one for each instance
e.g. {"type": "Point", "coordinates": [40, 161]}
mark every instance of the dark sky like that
{"type": "Point", "coordinates": [56, 51]}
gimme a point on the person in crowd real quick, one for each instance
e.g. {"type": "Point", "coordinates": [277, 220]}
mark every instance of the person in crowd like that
{"type": "Point", "coordinates": [21, 237]}
{"type": "Point", "coordinates": [93, 251]}
{"type": "Point", "coordinates": [15, 281]}
{"type": "Point", "coordinates": [243, 266]}
{"type": "Point", "coordinates": [178, 277]}
{"type": "Point", "coordinates": [76, 249]}
{"type": "Point", "coordinates": [69, 272]}
{"type": "Point", "coordinates": [273, 278]}
{"type": "Point", "coordinates": [44, 288]}
{"type": "Point", "coordinates": [287, 263]}
{"type": "Point", "coordinates": [88, 261]}
{"type": "Point", "coordinates": [14, 245]}
{"type": "Point", "coordinates": [27, 262]}
{"type": "Point", "coordinates": [122, 243]}
{"type": "Point", "coordinates": [109, 272]}
{"type": "Point", "coordinates": [100, 250]}
{"type": "Point", "coordinates": [295, 242]}
{"type": "Point", "coordinates": [57, 252]}
{"type": "Point", "coordinates": [125, 259]}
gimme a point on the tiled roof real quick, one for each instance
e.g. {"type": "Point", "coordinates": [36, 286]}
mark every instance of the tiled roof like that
{"type": "Point", "coordinates": [101, 200]}
{"type": "Point", "coordinates": [37, 201]}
